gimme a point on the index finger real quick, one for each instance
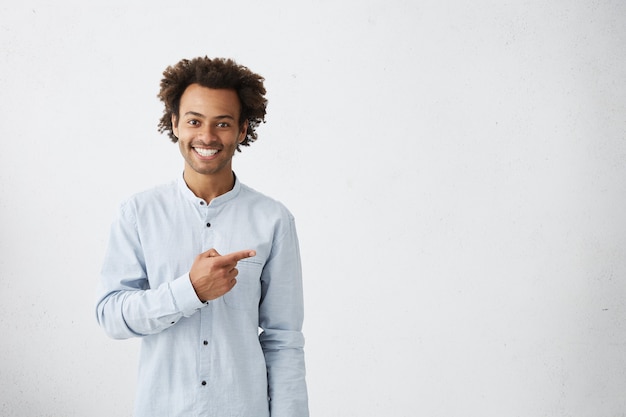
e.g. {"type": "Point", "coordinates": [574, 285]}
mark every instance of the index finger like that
{"type": "Point", "coordinates": [235, 257]}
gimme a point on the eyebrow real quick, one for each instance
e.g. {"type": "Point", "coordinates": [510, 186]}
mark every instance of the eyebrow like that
{"type": "Point", "coordinates": [202, 116]}
{"type": "Point", "coordinates": [196, 114]}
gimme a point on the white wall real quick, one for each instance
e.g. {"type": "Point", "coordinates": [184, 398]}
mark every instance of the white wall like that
{"type": "Point", "coordinates": [457, 171]}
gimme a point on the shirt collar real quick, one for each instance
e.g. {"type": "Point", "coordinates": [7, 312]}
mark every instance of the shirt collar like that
{"type": "Point", "coordinates": [219, 200]}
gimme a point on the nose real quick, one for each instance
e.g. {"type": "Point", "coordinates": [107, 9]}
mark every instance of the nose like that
{"type": "Point", "coordinates": [207, 133]}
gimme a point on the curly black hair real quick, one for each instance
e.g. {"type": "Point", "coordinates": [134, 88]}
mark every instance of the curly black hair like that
{"type": "Point", "coordinates": [214, 73]}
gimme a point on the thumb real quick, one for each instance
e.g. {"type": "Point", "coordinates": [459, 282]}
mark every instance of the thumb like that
{"type": "Point", "coordinates": [211, 253]}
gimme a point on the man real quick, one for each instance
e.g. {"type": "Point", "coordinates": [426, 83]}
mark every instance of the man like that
{"type": "Point", "coordinates": [206, 270]}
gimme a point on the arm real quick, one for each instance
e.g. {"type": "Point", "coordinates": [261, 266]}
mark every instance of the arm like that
{"type": "Point", "coordinates": [126, 305]}
{"type": "Point", "coordinates": [280, 316]}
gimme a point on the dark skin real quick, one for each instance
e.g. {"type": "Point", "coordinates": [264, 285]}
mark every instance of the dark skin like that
{"type": "Point", "coordinates": [213, 275]}
{"type": "Point", "coordinates": [208, 132]}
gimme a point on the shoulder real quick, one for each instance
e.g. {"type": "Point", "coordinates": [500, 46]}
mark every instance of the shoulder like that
{"type": "Point", "coordinates": [264, 203]}
{"type": "Point", "coordinates": [158, 195]}
{"type": "Point", "coordinates": [263, 200]}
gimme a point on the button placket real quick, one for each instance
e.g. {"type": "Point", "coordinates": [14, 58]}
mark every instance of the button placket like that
{"type": "Point", "coordinates": [204, 347]}
{"type": "Point", "coordinates": [206, 212]}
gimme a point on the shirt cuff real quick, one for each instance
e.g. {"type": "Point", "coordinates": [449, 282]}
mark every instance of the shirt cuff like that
{"type": "Point", "coordinates": [185, 296]}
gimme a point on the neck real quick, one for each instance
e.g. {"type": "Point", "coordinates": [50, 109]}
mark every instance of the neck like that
{"type": "Point", "coordinates": [207, 187]}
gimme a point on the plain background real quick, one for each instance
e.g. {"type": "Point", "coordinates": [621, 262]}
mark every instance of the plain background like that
{"type": "Point", "coordinates": [457, 171]}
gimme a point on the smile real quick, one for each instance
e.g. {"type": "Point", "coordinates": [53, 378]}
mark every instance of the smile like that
{"type": "Point", "coordinates": [206, 152]}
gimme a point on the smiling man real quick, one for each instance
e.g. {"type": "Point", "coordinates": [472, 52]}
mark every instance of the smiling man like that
{"type": "Point", "coordinates": [205, 270]}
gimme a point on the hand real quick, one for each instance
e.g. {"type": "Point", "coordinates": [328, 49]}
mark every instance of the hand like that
{"type": "Point", "coordinates": [213, 275]}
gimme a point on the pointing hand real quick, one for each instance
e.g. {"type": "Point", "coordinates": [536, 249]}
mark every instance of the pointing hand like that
{"type": "Point", "coordinates": [213, 275]}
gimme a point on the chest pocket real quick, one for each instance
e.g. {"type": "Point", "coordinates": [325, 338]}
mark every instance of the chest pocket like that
{"type": "Point", "coordinates": [246, 294]}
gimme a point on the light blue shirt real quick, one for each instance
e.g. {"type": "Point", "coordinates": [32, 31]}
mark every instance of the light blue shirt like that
{"type": "Point", "coordinates": [238, 355]}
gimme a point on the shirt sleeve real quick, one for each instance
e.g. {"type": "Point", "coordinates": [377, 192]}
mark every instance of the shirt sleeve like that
{"type": "Point", "coordinates": [126, 306]}
{"type": "Point", "coordinates": [281, 314]}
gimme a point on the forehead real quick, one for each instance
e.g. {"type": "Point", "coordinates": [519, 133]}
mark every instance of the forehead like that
{"type": "Point", "coordinates": [210, 101]}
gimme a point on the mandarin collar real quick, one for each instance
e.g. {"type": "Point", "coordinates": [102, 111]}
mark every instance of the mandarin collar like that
{"type": "Point", "coordinates": [219, 200]}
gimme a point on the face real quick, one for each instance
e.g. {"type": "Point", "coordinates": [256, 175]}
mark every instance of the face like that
{"type": "Point", "coordinates": [208, 129]}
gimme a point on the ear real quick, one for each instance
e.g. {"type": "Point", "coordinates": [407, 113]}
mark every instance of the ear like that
{"type": "Point", "coordinates": [175, 125]}
{"type": "Point", "coordinates": [244, 131]}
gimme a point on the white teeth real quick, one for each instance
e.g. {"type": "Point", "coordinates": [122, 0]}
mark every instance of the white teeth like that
{"type": "Point", "coordinates": [206, 152]}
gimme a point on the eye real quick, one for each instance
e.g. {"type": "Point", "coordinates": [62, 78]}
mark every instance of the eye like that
{"type": "Point", "coordinates": [223, 124]}
{"type": "Point", "coordinates": [193, 122]}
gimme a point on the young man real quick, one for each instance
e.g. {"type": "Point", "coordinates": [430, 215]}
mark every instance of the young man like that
{"type": "Point", "coordinates": [206, 270]}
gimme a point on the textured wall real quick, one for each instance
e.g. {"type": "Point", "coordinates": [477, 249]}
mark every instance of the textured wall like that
{"type": "Point", "coordinates": [457, 171]}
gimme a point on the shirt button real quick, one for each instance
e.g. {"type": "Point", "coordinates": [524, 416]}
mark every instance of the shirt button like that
{"type": "Point", "coordinates": [206, 342]}
{"type": "Point", "coordinates": [203, 383]}
{"type": "Point", "coordinates": [202, 203]}
{"type": "Point", "coordinates": [208, 225]}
